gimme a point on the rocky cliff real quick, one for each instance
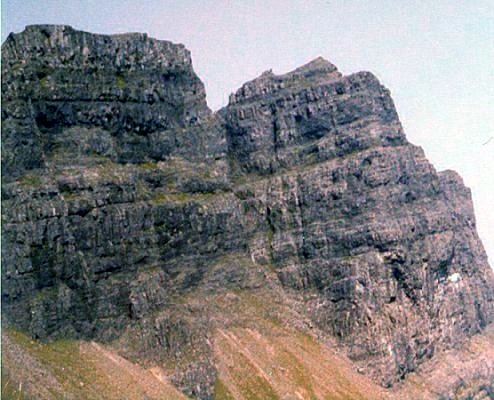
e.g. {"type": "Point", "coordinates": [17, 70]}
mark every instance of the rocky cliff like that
{"type": "Point", "coordinates": [134, 216]}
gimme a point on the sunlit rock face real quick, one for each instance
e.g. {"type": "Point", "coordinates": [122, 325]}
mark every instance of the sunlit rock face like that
{"type": "Point", "coordinates": [122, 193]}
{"type": "Point", "coordinates": [384, 247]}
{"type": "Point", "coordinates": [140, 93]}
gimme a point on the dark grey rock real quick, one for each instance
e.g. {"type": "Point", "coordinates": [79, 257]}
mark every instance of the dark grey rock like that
{"type": "Point", "coordinates": [123, 194]}
{"type": "Point", "coordinates": [141, 92]}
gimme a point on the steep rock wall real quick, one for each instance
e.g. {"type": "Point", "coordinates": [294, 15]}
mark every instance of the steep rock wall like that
{"type": "Point", "coordinates": [123, 195]}
{"type": "Point", "coordinates": [388, 245]}
{"type": "Point", "coordinates": [140, 94]}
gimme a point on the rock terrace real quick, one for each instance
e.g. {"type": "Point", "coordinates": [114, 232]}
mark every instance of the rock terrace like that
{"type": "Point", "coordinates": [127, 204]}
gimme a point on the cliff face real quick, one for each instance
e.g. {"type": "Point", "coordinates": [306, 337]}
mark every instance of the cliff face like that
{"type": "Point", "coordinates": [140, 93]}
{"type": "Point", "coordinates": [362, 221]}
{"type": "Point", "coordinates": [128, 207]}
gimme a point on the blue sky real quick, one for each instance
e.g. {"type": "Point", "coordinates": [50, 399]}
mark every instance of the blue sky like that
{"type": "Point", "coordinates": [436, 57]}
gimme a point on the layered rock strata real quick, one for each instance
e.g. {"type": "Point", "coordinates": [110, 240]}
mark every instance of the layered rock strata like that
{"type": "Point", "coordinates": [125, 198]}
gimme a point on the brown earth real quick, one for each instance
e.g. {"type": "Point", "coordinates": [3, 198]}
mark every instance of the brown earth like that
{"type": "Point", "coordinates": [260, 359]}
{"type": "Point", "coordinates": [75, 370]}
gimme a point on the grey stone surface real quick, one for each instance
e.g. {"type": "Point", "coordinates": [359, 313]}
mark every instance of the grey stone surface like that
{"type": "Point", "coordinates": [122, 193]}
{"type": "Point", "coordinates": [140, 92]}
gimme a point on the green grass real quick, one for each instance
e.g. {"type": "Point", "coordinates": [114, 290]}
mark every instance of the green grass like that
{"type": "Point", "coordinates": [121, 84]}
{"type": "Point", "coordinates": [30, 180]}
{"type": "Point", "coordinates": [180, 198]}
{"type": "Point", "coordinates": [221, 392]}
{"type": "Point", "coordinates": [253, 386]}
{"type": "Point", "coordinates": [43, 83]}
{"type": "Point", "coordinates": [11, 389]}
{"type": "Point", "coordinates": [299, 373]}
{"type": "Point", "coordinates": [62, 358]}
{"type": "Point", "coordinates": [149, 166]}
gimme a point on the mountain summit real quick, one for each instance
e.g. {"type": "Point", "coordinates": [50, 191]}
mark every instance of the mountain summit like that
{"type": "Point", "coordinates": [292, 245]}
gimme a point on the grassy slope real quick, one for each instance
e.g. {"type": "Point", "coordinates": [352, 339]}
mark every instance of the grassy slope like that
{"type": "Point", "coordinates": [74, 370]}
{"type": "Point", "coordinates": [252, 365]}
{"type": "Point", "coordinates": [261, 356]}
{"type": "Point", "coordinates": [285, 365]}
{"type": "Point", "coordinates": [263, 348]}
{"type": "Point", "coordinates": [258, 358]}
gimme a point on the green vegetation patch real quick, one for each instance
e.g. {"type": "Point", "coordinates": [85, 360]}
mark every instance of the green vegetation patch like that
{"type": "Point", "coordinates": [63, 359]}
{"type": "Point", "coordinates": [121, 84]}
{"type": "Point", "coordinates": [181, 197]}
{"type": "Point", "coordinates": [149, 166]}
{"type": "Point", "coordinates": [11, 389]}
{"type": "Point", "coordinates": [298, 372]}
{"type": "Point", "coordinates": [253, 386]}
{"type": "Point", "coordinates": [43, 83]}
{"type": "Point", "coordinates": [30, 180]}
{"type": "Point", "coordinates": [221, 392]}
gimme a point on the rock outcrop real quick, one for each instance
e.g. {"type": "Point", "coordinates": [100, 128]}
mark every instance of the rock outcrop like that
{"type": "Point", "coordinates": [127, 202]}
{"type": "Point", "coordinates": [140, 93]}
